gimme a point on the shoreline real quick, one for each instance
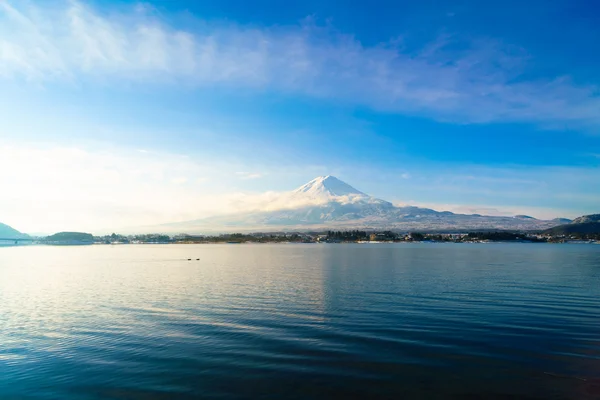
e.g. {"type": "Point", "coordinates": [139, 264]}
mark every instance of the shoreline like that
{"type": "Point", "coordinates": [301, 243]}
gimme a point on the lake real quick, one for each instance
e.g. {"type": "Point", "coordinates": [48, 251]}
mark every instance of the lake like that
{"type": "Point", "coordinates": [411, 321]}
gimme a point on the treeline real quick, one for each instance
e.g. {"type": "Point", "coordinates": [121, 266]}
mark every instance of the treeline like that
{"type": "Point", "coordinates": [579, 236]}
{"type": "Point", "coordinates": [254, 238]}
{"type": "Point", "coordinates": [356, 235]}
{"type": "Point", "coordinates": [501, 236]}
{"type": "Point", "coordinates": [348, 235]}
{"type": "Point", "coordinates": [328, 237]}
{"type": "Point", "coordinates": [70, 236]}
{"type": "Point", "coordinates": [147, 238]}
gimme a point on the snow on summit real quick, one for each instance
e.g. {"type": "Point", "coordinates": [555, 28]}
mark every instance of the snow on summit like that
{"type": "Point", "coordinates": [328, 186]}
{"type": "Point", "coordinates": [326, 189]}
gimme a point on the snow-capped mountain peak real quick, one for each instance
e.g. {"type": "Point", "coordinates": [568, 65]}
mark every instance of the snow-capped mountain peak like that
{"type": "Point", "coordinates": [328, 186]}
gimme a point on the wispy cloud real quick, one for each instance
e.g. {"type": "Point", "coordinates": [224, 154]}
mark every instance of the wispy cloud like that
{"type": "Point", "coordinates": [484, 82]}
{"type": "Point", "coordinates": [248, 175]}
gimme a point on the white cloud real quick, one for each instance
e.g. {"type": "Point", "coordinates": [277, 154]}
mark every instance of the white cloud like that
{"type": "Point", "coordinates": [249, 175]}
{"type": "Point", "coordinates": [269, 201]}
{"type": "Point", "coordinates": [483, 83]}
{"type": "Point", "coordinates": [272, 200]}
{"type": "Point", "coordinates": [405, 175]}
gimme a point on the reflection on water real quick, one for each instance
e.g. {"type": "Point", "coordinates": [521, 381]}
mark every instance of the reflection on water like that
{"type": "Point", "coordinates": [429, 321]}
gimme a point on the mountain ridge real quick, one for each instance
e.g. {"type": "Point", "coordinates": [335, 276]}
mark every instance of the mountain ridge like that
{"type": "Point", "coordinates": [586, 219]}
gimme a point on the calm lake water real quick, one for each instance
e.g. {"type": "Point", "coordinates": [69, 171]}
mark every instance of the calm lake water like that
{"type": "Point", "coordinates": [412, 321]}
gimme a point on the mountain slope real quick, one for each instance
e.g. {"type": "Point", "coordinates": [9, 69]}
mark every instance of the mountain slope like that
{"type": "Point", "coordinates": [327, 202]}
{"type": "Point", "coordinates": [583, 228]}
{"type": "Point", "coordinates": [7, 232]}
{"type": "Point", "coordinates": [583, 225]}
{"type": "Point", "coordinates": [587, 219]}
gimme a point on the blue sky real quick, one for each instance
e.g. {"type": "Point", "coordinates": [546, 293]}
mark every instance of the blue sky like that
{"type": "Point", "coordinates": [123, 113]}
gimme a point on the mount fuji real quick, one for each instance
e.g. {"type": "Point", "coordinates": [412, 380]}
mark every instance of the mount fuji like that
{"type": "Point", "coordinates": [327, 202]}
{"type": "Point", "coordinates": [328, 186]}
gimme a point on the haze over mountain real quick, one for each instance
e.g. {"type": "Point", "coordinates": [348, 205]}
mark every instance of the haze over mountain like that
{"type": "Point", "coordinates": [327, 202]}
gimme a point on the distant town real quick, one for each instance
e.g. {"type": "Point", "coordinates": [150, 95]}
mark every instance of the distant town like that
{"type": "Point", "coordinates": [350, 236]}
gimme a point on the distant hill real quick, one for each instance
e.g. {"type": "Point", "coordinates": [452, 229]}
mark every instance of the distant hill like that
{"type": "Point", "coordinates": [7, 232]}
{"type": "Point", "coordinates": [567, 229]}
{"type": "Point", "coordinates": [70, 236]}
{"type": "Point", "coordinates": [587, 219]}
{"type": "Point", "coordinates": [587, 224]}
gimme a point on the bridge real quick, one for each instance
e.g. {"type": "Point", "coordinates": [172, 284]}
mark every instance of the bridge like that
{"type": "Point", "coordinates": [15, 241]}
